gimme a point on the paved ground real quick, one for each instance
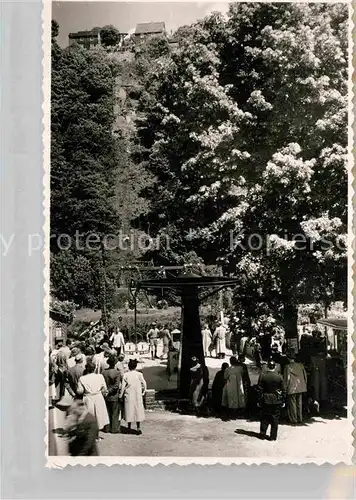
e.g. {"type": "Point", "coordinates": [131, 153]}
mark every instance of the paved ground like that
{"type": "Point", "coordinates": [170, 434]}
{"type": "Point", "coordinates": [156, 377]}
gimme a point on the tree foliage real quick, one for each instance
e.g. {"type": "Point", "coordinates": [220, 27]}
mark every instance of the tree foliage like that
{"type": "Point", "coordinates": [109, 36]}
{"type": "Point", "coordinates": [83, 168]}
{"type": "Point", "coordinates": [246, 133]}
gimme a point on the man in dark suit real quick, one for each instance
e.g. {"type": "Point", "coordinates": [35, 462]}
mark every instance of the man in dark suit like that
{"type": "Point", "coordinates": [74, 374]}
{"type": "Point", "coordinates": [113, 382]}
{"type": "Point", "coordinates": [271, 394]}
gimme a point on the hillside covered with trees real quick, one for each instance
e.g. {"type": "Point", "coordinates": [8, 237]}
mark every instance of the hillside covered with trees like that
{"type": "Point", "coordinates": [232, 146]}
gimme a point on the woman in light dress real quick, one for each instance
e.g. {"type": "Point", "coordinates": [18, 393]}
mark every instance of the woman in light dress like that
{"type": "Point", "coordinates": [93, 387]}
{"type": "Point", "coordinates": [220, 341]}
{"type": "Point", "coordinates": [207, 338]}
{"type": "Point", "coordinates": [167, 340]}
{"type": "Point", "coordinates": [133, 389]}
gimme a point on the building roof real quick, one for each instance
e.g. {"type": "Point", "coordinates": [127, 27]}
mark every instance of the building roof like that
{"type": "Point", "coordinates": [335, 323]}
{"type": "Point", "coordinates": [60, 316]}
{"type": "Point", "coordinates": [89, 33]}
{"type": "Point", "coordinates": [147, 28]}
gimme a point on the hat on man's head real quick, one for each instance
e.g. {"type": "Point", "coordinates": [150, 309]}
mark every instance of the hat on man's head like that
{"type": "Point", "coordinates": [75, 351]}
{"type": "Point", "coordinates": [105, 346]}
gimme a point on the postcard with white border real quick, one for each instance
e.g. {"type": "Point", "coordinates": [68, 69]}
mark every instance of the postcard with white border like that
{"type": "Point", "coordinates": [198, 202]}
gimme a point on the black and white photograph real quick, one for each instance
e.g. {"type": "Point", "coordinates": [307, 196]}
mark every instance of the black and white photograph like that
{"type": "Point", "coordinates": [199, 299]}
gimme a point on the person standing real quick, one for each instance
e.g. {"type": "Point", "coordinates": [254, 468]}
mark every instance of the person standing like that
{"type": "Point", "coordinates": [52, 371]}
{"type": "Point", "coordinates": [199, 383]}
{"type": "Point", "coordinates": [98, 358]}
{"type": "Point", "coordinates": [54, 352]}
{"type": "Point", "coordinates": [152, 339]}
{"type": "Point", "coordinates": [220, 339]}
{"type": "Point", "coordinates": [318, 380]}
{"type": "Point", "coordinates": [133, 388]}
{"type": "Point", "coordinates": [120, 365]}
{"type": "Point", "coordinates": [167, 339]}
{"type": "Point", "coordinates": [65, 350]}
{"type": "Point", "coordinates": [74, 374]}
{"type": "Point", "coordinates": [71, 359]}
{"type": "Point", "coordinates": [207, 339]}
{"type": "Point", "coordinates": [271, 392]}
{"type": "Point", "coordinates": [218, 387]}
{"type": "Point", "coordinates": [74, 353]}
{"type": "Point", "coordinates": [93, 387]}
{"type": "Point", "coordinates": [235, 343]}
{"type": "Point", "coordinates": [235, 390]}
{"type": "Point", "coordinates": [257, 354]}
{"type": "Point", "coordinates": [235, 336]}
{"type": "Point", "coordinates": [244, 340]}
{"type": "Point", "coordinates": [89, 354]}
{"type": "Point", "coordinates": [295, 381]}
{"type": "Point", "coordinates": [118, 341]}
{"type": "Point", "coordinates": [113, 383]}
{"type": "Point", "coordinates": [102, 353]}
{"type": "Point", "coordinates": [81, 431]}
{"type": "Point", "coordinates": [99, 336]}
{"type": "Point", "coordinates": [265, 341]}
{"type": "Point", "coordinates": [61, 374]}
{"type": "Point", "coordinates": [280, 359]}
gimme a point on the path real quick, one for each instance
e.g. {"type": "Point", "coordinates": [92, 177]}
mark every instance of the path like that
{"type": "Point", "coordinates": [171, 434]}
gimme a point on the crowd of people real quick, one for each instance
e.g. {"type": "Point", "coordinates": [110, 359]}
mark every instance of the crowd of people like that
{"type": "Point", "coordinates": [97, 389]}
{"type": "Point", "coordinates": [293, 384]}
{"type": "Point", "coordinates": [233, 396]}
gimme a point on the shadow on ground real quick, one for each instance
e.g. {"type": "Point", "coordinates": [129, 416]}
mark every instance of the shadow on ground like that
{"type": "Point", "coordinates": [248, 433]}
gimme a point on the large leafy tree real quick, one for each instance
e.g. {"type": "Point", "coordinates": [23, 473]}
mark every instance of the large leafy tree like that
{"type": "Point", "coordinates": [83, 169]}
{"type": "Point", "coordinates": [301, 195]}
{"type": "Point", "coordinates": [246, 133]}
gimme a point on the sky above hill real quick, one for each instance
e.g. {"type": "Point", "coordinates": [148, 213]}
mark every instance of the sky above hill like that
{"type": "Point", "coordinates": [77, 16]}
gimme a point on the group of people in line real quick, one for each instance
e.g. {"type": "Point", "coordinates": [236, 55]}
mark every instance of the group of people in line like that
{"type": "Point", "coordinates": [155, 333]}
{"type": "Point", "coordinates": [97, 391]}
{"type": "Point", "coordinates": [221, 337]}
{"type": "Point", "coordinates": [214, 341]}
{"type": "Point", "coordinates": [279, 386]}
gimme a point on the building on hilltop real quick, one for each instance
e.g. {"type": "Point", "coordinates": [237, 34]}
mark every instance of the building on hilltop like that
{"type": "Point", "coordinates": [86, 39]}
{"type": "Point", "coordinates": [90, 38]}
{"type": "Point", "coordinates": [149, 30]}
